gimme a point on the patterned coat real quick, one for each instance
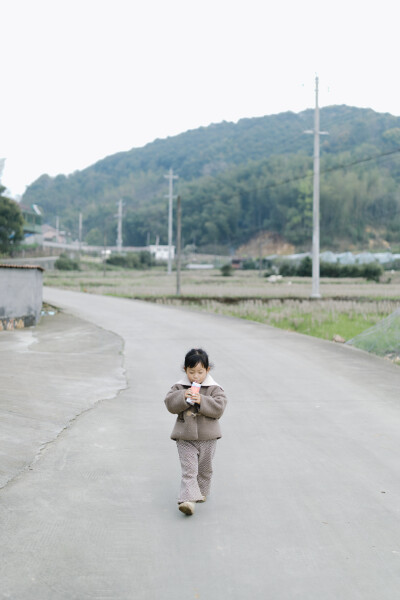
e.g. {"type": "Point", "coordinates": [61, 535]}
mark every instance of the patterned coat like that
{"type": "Point", "coordinates": [196, 422]}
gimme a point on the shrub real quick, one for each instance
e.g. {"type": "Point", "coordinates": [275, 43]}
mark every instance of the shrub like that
{"type": "Point", "coordinates": [147, 260]}
{"type": "Point", "coordinates": [65, 263]}
{"type": "Point", "coordinates": [249, 264]}
{"type": "Point", "coordinates": [132, 260]}
{"type": "Point", "coordinates": [330, 269]}
{"type": "Point", "coordinates": [226, 270]}
{"type": "Point", "coordinates": [370, 271]}
{"type": "Point", "coordinates": [127, 261]}
{"type": "Point", "coordinates": [305, 267]}
{"type": "Point", "coordinates": [288, 269]}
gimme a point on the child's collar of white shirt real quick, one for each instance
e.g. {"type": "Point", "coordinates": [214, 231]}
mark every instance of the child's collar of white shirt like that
{"type": "Point", "coordinates": [208, 381]}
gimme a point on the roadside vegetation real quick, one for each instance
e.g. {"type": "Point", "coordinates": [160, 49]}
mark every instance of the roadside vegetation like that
{"type": "Point", "coordinates": [348, 305]}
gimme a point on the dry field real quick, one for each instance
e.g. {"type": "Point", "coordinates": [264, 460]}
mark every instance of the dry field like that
{"type": "Point", "coordinates": [210, 284]}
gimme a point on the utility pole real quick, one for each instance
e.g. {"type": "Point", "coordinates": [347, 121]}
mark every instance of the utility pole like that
{"type": "Point", "coordinates": [104, 253]}
{"type": "Point", "coordinates": [178, 246]}
{"type": "Point", "coordinates": [315, 246]}
{"type": "Point", "coordinates": [170, 178]}
{"type": "Point", "coordinates": [119, 230]}
{"type": "Point", "coordinates": [80, 233]}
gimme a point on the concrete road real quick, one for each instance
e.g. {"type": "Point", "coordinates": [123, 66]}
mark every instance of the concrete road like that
{"type": "Point", "coordinates": [306, 492]}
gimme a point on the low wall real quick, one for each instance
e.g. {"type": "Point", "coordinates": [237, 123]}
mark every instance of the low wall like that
{"type": "Point", "coordinates": [21, 295]}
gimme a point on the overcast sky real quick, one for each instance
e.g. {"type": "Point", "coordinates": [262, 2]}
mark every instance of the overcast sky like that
{"type": "Point", "coordinates": [83, 79]}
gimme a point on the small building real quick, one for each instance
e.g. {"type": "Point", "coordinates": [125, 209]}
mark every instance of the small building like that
{"type": "Point", "coordinates": [161, 252]}
{"type": "Point", "coordinates": [21, 295]}
{"type": "Point", "coordinates": [51, 234]}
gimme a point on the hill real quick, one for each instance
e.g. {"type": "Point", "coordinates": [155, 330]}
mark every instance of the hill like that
{"type": "Point", "coordinates": [230, 180]}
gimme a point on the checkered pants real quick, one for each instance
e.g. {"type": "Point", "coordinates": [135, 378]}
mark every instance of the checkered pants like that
{"type": "Point", "coordinates": [196, 462]}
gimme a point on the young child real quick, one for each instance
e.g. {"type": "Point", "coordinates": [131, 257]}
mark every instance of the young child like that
{"type": "Point", "coordinates": [197, 427]}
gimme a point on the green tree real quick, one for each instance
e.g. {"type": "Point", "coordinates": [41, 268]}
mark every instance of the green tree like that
{"type": "Point", "coordinates": [11, 223]}
{"type": "Point", "coordinates": [95, 237]}
{"type": "Point", "coordinates": [298, 227]}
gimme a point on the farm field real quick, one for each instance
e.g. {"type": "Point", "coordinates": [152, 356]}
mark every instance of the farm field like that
{"type": "Point", "coordinates": [347, 306]}
{"type": "Point", "coordinates": [210, 284]}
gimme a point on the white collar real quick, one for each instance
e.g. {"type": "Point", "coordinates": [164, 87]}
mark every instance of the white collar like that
{"type": "Point", "coordinates": [208, 380]}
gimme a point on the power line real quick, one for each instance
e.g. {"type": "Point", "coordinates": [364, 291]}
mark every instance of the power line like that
{"type": "Point", "coordinates": [361, 160]}
{"type": "Point", "coordinates": [327, 170]}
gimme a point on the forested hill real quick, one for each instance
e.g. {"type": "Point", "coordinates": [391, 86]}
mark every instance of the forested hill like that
{"type": "Point", "coordinates": [230, 181]}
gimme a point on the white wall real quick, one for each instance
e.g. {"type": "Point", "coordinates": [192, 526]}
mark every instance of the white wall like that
{"type": "Point", "coordinates": [21, 293]}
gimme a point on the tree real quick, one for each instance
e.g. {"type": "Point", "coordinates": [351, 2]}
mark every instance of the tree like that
{"type": "Point", "coordinates": [11, 223]}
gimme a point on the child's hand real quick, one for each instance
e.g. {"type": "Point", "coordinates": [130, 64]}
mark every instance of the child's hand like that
{"type": "Point", "coordinates": [194, 397]}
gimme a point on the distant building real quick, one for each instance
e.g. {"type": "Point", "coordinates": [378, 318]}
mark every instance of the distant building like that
{"type": "Point", "coordinates": [51, 234]}
{"type": "Point", "coordinates": [32, 224]}
{"type": "Point", "coordinates": [161, 252]}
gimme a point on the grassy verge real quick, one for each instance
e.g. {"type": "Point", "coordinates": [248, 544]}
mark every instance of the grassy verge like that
{"type": "Point", "coordinates": [348, 306]}
{"type": "Point", "coordinates": [319, 318]}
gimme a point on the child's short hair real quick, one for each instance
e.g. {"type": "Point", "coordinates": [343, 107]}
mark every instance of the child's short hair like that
{"type": "Point", "coordinates": [196, 356]}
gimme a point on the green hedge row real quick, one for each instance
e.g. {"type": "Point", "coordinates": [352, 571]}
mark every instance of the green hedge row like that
{"type": "Point", "coordinates": [369, 271]}
{"type": "Point", "coordinates": [132, 260]}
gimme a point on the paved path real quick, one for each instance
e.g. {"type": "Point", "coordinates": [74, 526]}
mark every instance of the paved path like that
{"type": "Point", "coordinates": [306, 492]}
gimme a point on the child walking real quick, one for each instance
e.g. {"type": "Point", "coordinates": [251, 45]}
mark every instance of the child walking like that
{"type": "Point", "coordinates": [199, 402]}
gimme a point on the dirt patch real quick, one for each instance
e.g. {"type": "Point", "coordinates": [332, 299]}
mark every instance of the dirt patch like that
{"type": "Point", "coordinates": [265, 243]}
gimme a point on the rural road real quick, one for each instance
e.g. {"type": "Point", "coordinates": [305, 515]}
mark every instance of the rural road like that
{"type": "Point", "coordinates": [306, 492]}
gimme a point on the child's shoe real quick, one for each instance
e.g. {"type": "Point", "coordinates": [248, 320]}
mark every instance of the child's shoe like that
{"type": "Point", "coordinates": [204, 498]}
{"type": "Point", "coordinates": [187, 507]}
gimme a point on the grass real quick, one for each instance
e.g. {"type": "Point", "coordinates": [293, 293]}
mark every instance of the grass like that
{"type": "Point", "coordinates": [348, 306]}
{"type": "Point", "coordinates": [319, 318]}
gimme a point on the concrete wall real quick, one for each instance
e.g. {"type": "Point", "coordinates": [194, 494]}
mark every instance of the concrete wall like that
{"type": "Point", "coordinates": [21, 294]}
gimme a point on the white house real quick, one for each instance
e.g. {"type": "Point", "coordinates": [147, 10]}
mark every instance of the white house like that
{"type": "Point", "coordinates": [161, 252]}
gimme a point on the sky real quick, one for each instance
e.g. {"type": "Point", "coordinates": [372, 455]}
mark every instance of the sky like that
{"type": "Point", "coordinates": [84, 79]}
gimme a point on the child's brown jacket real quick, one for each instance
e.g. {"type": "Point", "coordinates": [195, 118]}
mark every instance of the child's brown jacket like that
{"type": "Point", "coordinates": [196, 422]}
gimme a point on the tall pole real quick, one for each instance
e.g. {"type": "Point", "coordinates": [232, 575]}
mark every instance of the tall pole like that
{"type": "Point", "coordinates": [171, 178]}
{"type": "Point", "coordinates": [178, 246]}
{"type": "Point", "coordinates": [119, 230]}
{"type": "Point", "coordinates": [80, 233]}
{"type": "Point", "coordinates": [104, 253]}
{"type": "Point", "coordinates": [315, 293]}
{"type": "Point", "coordinates": [260, 258]}
{"type": "Point", "coordinates": [315, 247]}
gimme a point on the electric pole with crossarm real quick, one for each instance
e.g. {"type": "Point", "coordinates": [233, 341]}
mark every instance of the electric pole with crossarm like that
{"type": "Point", "coordinates": [315, 246]}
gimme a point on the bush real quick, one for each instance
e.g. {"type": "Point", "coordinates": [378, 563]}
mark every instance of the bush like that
{"type": "Point", "coordinates": [394, 265]}
{"type": "Point", "coordinates": [127, 261]}
{"type": "Point", "coordinates": [65, 263]}
{"type": "Point", "coordinates": [370, 271]}
{"type": "Point", "coordinates": [330, 269]}
{"type": "Point", "coordinates": [249, 264]}
{"type": "Point", "coordinates": [305, 267]}
{"type": "Point", "coordinates": [226, 270]}
{"type": "Point", "coordinates": [131, 260]}
{"type": "Point", "coordinates": [288, 269]}
{"type": "Point", "coordinates": [147, 260]}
